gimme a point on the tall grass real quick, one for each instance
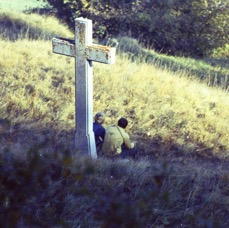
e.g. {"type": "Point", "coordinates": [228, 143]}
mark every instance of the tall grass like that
{"type": "Point", "coordinates": [20, 6]}
{"type": "Point", "coordinates": [46, 191]}
{"type": "Point", "coordinates": [213, 70]}
{"type": "Point", "coordinates": [38, 85]}
{"type": "Point", "coordinates": [157, 101]}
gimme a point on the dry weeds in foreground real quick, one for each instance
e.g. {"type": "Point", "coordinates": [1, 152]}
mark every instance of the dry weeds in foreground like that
{"type": "Point", "coordinates": [77, 191]}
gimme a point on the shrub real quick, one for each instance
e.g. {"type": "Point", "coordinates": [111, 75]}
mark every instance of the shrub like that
{"type": "Point", "coordinates": [190, 27]}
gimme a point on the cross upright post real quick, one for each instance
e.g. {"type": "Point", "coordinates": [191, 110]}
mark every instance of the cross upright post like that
{"type": "Point", "coordinates": [84, 52]}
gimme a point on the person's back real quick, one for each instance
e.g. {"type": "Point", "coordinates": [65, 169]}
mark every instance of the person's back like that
{"type": "Point", "coordinates": [113, 141]}
{"type": "Point", "coordinates": [116, 139]}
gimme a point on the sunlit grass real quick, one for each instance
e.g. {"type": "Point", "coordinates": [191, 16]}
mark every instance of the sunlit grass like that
{"type": "Point", "coordinates": [19, 6]}
{"type": "Point", "coordinates": [39, 85]}
{"type": "Point", "coordinates": [213, 70]}
{"type": "Point", "coordinates": [16, 25]}
{"type": "Point", "coordinates": [156, 101]}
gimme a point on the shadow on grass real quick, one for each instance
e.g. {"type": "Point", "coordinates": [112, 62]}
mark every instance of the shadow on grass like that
{"type": "Point", "coordinates": [42, 190]}
{"type": "Point", "coordinates": [21, 138]}
{"type": "Point", "coordinates": [172, 152]}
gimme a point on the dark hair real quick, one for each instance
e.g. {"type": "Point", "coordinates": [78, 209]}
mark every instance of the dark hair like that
{"type": "Point", "coordinates": [122, 122]}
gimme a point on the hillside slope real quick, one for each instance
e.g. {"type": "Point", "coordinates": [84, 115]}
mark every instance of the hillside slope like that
{"type": "Point", "coordinates": [14, 26]}
{"type": "Point", "coordinates": [20, 6]}
{"type": "Point", "coordinates": [186, 115]}
{"type": "Point", "coordinates": [181, 125]}
{"type": "Point", "coordinates": [181, 111]}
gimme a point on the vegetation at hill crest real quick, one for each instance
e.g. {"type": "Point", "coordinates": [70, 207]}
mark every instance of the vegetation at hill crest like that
{"type": "Point", "coordinates": [175, 27]}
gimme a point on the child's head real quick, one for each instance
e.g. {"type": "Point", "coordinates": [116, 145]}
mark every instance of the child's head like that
{"type": "Point", "coordinates": [100, 117]}
{"type": "Point", "coordinates": [122, 122]}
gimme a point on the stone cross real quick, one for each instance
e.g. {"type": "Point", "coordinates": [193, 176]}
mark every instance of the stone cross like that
{"type": "Point", "coordinates": [84, 52]}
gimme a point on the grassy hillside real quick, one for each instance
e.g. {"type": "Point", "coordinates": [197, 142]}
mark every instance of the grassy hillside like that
{"type": "Point", "coordinates": [181, 126]}
{"type": "Point", "coordinates": [19, 6]}
{"type": "Point", "coordinates": [212, 71]}
{"type": "Point", "coordinates": [15, 26]}
{"type": "Point", "coordinates": [40, 86]}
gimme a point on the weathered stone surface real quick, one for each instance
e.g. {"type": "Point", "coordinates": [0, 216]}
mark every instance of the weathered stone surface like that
{"type": "Point", "coordinates": [84, 52]}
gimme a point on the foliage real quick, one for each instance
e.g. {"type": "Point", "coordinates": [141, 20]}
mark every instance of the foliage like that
{"type": "Point", "coordinates": [175, 27]}
{"type": "Point", "coordinates": [222, 52]}
{"type": "Point", "coordinates": [193, 27]}
{"type": "Point", "coordinates": [27, 189]}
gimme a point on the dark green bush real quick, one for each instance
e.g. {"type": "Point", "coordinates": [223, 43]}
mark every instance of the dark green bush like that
{"type": "Point", "coordinates": [190, 27]}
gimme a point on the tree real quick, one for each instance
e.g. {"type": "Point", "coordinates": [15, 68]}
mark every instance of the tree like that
{"type": "Point", "coordinates": [178, 27]}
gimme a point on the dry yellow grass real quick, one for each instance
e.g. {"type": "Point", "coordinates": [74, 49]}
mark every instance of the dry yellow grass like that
{"type": "Point", "coordinates": [38, 86]}
{"type": "Point", "coordinates": [160, 102]}
{"type": "Point", "coordinates": [15, 25]}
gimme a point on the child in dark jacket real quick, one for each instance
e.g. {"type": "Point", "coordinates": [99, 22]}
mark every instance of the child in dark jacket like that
{"type": "Point", "coordinates": [98, 129]}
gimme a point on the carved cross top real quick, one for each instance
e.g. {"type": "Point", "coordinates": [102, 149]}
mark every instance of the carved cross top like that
{"type": "Point", "coordinates": [84, 52]}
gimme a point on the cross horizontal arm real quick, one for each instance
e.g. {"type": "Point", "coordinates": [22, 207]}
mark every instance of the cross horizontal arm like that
{"type": "Point", "coordinates": [94, 52]}
{"type": "Point", "coordinates": [99, 53]}
{"type": "Point", "coordinates": [63, 46]}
